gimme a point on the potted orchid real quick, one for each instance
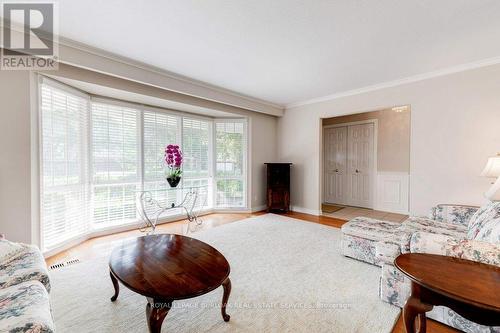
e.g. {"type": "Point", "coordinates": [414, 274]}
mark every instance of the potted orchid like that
{"type": "Point", "coordinates": [173, 160]}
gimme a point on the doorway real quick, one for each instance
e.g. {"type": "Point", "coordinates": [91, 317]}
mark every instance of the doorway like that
{"type": "Point", "coordinates": [366, 163]}
{"type": "Point", "coordinates": [349, 164]}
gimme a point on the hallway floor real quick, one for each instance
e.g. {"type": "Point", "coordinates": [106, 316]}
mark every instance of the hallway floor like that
{"type": "Point", "coordinates": [349, 213]}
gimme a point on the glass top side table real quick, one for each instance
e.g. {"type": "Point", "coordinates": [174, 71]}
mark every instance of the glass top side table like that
{"type": "Point", "coordinates": [154, 203]}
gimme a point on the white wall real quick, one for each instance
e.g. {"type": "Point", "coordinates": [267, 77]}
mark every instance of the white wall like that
{"type": "Point", "coordinates": [15, 151]}
{"type": "Point", "coordinates": [455, 127]}
{"type": "Point", "coordinates": [263, 149]}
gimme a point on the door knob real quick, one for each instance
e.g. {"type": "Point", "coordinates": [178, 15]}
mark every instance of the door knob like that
{"type": "Point", "coordinates": [336, 170]}
{"type": "Point", "coordinates": [357, 171]}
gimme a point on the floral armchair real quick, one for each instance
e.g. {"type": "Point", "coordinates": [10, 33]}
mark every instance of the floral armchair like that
{"type": "Point", "coordinates": [470, 233]}
{"type": "Point", "coordinates": [24, 288]}
{"type": "Point", "coordinates": [27, 265]}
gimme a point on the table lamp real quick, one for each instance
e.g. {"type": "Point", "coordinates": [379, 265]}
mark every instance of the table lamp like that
{"type": "Point", "coordinates": [492, 170]}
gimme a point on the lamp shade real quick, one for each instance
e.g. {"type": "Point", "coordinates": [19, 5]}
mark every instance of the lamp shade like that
{"type": "Point", "coordinates": [492, 168]}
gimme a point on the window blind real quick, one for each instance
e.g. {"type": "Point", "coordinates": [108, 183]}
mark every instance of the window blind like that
{"type": "Point", "coordinates": [64, 165]}
{"type": "Point", "coordinates": [115, 163]}
{"type": "Point", "coordinates": [160, 130]}
{"type": "Point", "coordinates": [195, 147]}
{"type": "Point", "coordinates": [230, 143]}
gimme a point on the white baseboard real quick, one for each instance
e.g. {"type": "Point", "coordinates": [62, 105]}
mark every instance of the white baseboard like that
{"type": "Point", "coordinates": [298, 209]}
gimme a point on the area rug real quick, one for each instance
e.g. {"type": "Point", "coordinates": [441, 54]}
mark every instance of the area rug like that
{"type": "Point", "coordinates": [287, 276]}
{"type": "Point", "coordinates": [330, 208]}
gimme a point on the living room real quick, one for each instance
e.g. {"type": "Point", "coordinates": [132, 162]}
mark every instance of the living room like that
{"type": "Point", "coordinates": [189, 166]}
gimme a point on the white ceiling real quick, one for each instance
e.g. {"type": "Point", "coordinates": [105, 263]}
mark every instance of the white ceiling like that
{"type": "Point", "coordinates": [286, 51]}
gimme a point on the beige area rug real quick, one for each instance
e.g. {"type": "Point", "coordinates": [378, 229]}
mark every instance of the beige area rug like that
{"type": "Point", "coordinates": [287, 276]}
{"type": "Point", "coordinates": [330, 208]}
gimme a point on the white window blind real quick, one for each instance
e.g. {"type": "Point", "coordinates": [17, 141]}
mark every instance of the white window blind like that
{"type": "Point", "coordinates": [116, 163]}
{"type": "Point", "coordinates": [230, 164]}
{"type": "Point", "coordinates": [160, 130]}
{"type": "Point", "coordinates": [64, 165]}
{"type": "Point", "coordinates": [195, 148]}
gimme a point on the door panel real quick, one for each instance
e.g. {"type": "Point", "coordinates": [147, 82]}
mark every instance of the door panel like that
{"type": "Point", "coordinates": [360, 165]}
{"type": "Point", "coordinates": [335, 165]}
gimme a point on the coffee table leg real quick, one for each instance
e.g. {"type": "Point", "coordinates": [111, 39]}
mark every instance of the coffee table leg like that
{"type": "Point", "coordinates": [115, 285]}
{"type": "Point", "coordinates": [227, 290]}
{"type": "Point", "coordinates": [415, 308]}
{"type": "Point", "coordinates": [156, 312]}
{"type": "Point", "coordinates": [422, 320]}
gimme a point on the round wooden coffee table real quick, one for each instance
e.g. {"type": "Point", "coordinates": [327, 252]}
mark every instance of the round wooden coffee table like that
{"type": "Point", "coordinates": [467, 287]}
{"type": "Point", "coordinates": [165, 268]}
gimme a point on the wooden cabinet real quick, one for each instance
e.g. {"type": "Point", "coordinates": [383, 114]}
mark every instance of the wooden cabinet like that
{"type": "Point", "coordinates": [278, 186]}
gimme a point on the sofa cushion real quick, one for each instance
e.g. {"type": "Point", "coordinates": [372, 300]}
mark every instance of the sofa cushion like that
{"type": "Point", "coordinates": [28, 265]}
{"type": "Point", "coordinates": [361, 235]}
{"type": "Point", "coordinates": [431, 226]}
{"type": "Point", "coordinates": [368, 228]}
{"type": "Point", "coordinates": [485, 224]}
{"type": "Point", "coordinates": [25, 308]}
{"type": "Point", "coordinates": [9, 249]}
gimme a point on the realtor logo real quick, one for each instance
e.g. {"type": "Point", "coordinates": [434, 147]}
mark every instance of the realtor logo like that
{"type": "Point", "coordinates": [29, 36]}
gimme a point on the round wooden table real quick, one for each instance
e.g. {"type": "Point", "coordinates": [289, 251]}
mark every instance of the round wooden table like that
{"type": "Point", "coordinates": [469, 288]}
{"type": "Point", "coordinates": [165, 268]}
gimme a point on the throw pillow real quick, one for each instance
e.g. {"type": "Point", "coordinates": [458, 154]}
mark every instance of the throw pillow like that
{"type": "Point", "coordinates": [485, 224]}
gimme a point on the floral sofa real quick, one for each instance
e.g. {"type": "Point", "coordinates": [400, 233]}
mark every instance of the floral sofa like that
{"type": "Point", "coordinates": [460, 231]}
{"type": "Point", "coordinates": [24, 290]}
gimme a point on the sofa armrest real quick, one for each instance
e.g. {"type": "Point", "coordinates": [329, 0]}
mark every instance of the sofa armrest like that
{"type": "Point", "coordinates": [454, 214]}
{"type": "Point", "coordinates": [487, 253]}
{"type": "Point", "coordinates": [28, 265]}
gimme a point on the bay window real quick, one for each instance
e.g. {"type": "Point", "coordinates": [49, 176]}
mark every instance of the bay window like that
{"type": "Point", "coordinates": [97, 154]}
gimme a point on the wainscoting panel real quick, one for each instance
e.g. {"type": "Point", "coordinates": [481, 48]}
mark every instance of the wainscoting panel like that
{"type": "Point", "coordinates": [393, 192]}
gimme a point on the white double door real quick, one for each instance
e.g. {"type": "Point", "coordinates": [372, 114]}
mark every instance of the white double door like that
{"type": "Point", "coordinates": [349, 165]}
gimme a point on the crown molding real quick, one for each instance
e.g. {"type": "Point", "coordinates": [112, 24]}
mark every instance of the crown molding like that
{"type": "Point", "coordinates": [390, 84]}
{"type": "Point", "coordinates": [81, 55]}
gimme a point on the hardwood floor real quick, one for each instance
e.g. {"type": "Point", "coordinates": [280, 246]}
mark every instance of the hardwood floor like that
{"type": "Point", "coordinates": [96, 247]}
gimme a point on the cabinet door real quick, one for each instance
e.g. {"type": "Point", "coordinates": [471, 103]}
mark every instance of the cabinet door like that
{"type": "Point", "coordinates": [360, 164]}
{"type": "Point", "coordinates": [335, 160]}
